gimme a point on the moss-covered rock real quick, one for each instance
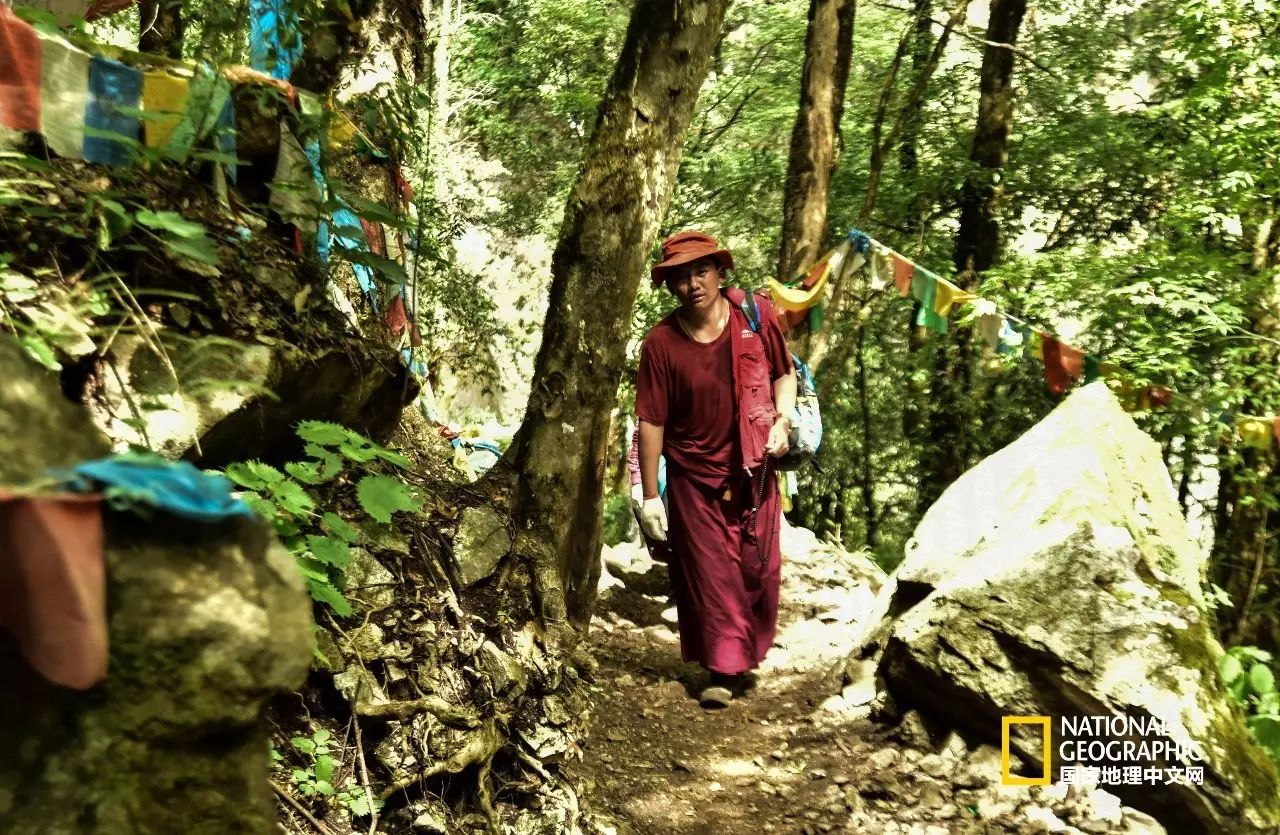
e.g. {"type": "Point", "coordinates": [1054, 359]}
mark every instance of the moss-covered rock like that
{"type": "Point", "coordinates": [1058, 578]}
{"type": "Point", "coordinates": [207, 622]}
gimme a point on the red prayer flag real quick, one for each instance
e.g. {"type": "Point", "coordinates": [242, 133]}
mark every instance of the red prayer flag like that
{"type": "Point", "coordinates": [902, 272]}
{"type": "Point", "coordinates": [1063, 364]}
{"type": "Point", "coordinates": [373, 234]}
{"type": "Point", "coordinates": [20, 60]}
{"type": "Point", "coordinates": [1275, 428]}
{"type": "Point", "coordinates": [53, 585]}
{"type": "Point", "coordinates": [397, 319]}
{"type": "Point", "coordinates": [406, 189]}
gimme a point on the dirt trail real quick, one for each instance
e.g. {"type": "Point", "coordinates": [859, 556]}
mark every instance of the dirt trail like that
{"type": "Point", "coordinates": [794, 755]}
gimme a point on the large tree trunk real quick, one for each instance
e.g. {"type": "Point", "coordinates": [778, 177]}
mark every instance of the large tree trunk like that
{"type": "Point", "coordinates": [613, 213]}
{"type": "Point", "coordinates": [814, 146]}
{"type": "Point", "coordinates": [947, 451]}
{"type": "Point", "coordinates": [1247, 529]}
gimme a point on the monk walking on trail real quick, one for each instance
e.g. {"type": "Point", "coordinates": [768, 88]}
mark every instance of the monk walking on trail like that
{"type": "Point", "coordinates": [713, 392]}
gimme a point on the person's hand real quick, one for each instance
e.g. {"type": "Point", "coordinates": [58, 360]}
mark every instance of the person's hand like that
{"type": "Point", "coordinates": [779, 440]}
{"type": "Point", "coordinates": [653, 519]}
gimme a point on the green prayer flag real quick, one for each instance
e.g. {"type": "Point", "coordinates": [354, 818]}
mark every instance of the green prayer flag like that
{"type": "Point", "coordinates": [816, 314]}
{"type": "Point", "coordinates": [924, 289]}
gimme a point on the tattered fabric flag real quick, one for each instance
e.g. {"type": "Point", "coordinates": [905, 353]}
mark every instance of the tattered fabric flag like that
{"type": "Point", "coordinates": [397, 319]}
{"type": "Point", "coordinates": [64, 97]}
{"type": "Point", "coordinates": [881, 267]}
{"type": "Point", "coordinates": [402, 185]}
{"type": "Point", "coordinates": [164, 99]}
{"type": "Point", "coordinates": [375, 236]}
{"type": "Point", "coordinates": [275, 43]}
{"type": "Point", "coordinates": [1014, 337]}
{"type": "Point", "coordinates": [294, 195]}
{"type": "Point", "coordinates": [1063, 364]}
{"type": "Point", "coordinates": [20, 62]}
{"type": "Point", "coordinates": [1275, 428]}
{"type": "Point", "coordinates": [111, 118]}
{"type": "Point", "coordinates": [1255, 432]}
{"type": "Point", "coordinates": [208, 111]}
{"type": "Point", "coordinates": [989, 322]}
{"type": "Point", "coordinates": [925, 289]}
{"type": "Point", "coordinates": [348, 234]}
{"type": "Point", "coordinates": [903, 270]}
{"type": "Point", "coordinates": [53, 585]}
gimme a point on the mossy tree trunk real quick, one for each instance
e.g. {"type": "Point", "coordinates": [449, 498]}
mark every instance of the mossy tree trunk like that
{"type": "Point", "coordinates": [814, 139]}
{"type": "Point", "coordinates": [610, 222]}
{"type": "Point", "coordinates": [947, 451]}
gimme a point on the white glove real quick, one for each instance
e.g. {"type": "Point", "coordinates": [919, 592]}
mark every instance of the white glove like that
{"type": "Point", "coordinates": [653, 519]}
{"type": "Point", "coordinates": [637, 499]}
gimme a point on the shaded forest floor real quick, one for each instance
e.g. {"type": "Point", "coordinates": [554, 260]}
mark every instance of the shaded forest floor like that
{"type": "Point", "coordinates": [797, 754]}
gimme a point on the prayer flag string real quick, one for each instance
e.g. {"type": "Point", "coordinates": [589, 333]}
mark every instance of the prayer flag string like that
{"type": "Point", "coordinates": [1004, 333]}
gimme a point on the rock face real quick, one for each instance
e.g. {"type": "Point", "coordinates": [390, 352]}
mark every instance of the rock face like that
{"type": "Point", "coordinates": [207, 622]}
{"type": "Point", "coordinates": [1059, 578]}
{"type": "Point", "coordinates": [481, 542]}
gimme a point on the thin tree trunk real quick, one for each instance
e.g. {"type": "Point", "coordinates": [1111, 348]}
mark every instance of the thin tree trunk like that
{"type": "Point", "coordinates": [1247, 532]}
{"type": "Point", "coordinates": [946, 453]}
{"type": "Point", "coordinates": [623, 189]}
{"type": "Point", "coordinates": [820, 343]}
{"type": "Point", "coordinates": [162, 27]}
{"type": "Point", "coordinates": [814, 149]}
{"type": "Point", "coordinates": [440, 121]}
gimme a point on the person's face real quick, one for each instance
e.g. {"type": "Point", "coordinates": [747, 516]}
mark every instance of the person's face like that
{"type": "Point", "coordinates": [696, 284]}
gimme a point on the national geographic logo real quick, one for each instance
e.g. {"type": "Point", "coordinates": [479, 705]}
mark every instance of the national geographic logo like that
{"type": "Point", "coordinates": [1112, 750]}
{"type": "Point", "coordinates": [1006, 777]}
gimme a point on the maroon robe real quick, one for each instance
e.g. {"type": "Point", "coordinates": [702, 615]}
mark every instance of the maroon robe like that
{"type": "Point", "coordinates": [726, 599]}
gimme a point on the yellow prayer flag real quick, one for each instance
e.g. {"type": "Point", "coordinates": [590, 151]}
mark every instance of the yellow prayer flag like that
{"type": "Point", "coordinates": [1255, 432]}
{"type": "Point", "coordinates": [342, 131]}
{"type": "Point", "coordinates": [64, 95]}
{"type": "Point", "coordinates": [799, 298]}
{"type": "Point", "coordinates": [947, 295]}
{"type": "Point", "coordinates": [164, 97]}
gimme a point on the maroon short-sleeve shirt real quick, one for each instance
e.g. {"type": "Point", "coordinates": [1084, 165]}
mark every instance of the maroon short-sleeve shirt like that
{"type": "Point", "coordinates": [686, 387]}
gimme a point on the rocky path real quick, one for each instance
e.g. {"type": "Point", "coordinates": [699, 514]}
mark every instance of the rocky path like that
{"type": "Point", "coordinates": [798, 754]}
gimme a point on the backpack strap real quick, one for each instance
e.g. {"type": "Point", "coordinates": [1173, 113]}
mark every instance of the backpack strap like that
{"type": "Point", "coordinates": [746, 301]}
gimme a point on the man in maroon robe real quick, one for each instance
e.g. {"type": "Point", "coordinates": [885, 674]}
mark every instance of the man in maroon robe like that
{"type": "Point", "coordinates": [717, 430]}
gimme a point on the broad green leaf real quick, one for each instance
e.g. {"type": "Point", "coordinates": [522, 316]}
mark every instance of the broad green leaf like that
{"type": "Point", "coordinates": [381, 496]}
{"type": "Point", "coordinates": [338, 526]}
{"type": "Point", "coordinates": [324, 787]}
{"type": "Point", "coordinates": [201, 250]}
{"type": "Point", "coordinates": [321, 432]}
{"type": "Point", "coordinates": [291, 498]}
{"type": "Point", "coordinates": [325, 766]}
{"type": "Point", "coordinates": [305, 744]}
{"type": "Point", "coordinates": [327, 594]}
{"type": "Point", "coordinates": [266, 472]}
{"type": "Point", "coordinates": [1230, 667]}
{"type": "Point", "coordinates": [308, 472]}
{"type": "Point", "coordinates": [1261, 679]}
{"type": "Point", "coordinates": [394, 457]}
{"type": "Point", "coordinates": [359, 452]}
{"type": "Point", "coordinates": [330, 463]}
{"type": "Point", "coordinates": [241, 473]}
{"type": "Point", "coordinates": [329, 551]}
{"type": "Point", "coordinates": [391, 271]}
{"type": "Point", "coordinates": [171, 222]}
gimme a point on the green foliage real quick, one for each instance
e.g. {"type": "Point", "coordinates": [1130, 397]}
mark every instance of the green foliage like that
{"type": "Point", "coordinates": [316, 776]}
{"type": "Point", "coordinates": [618, 518]}
{"type": "Point", "coordinates": [1248, 675]}
{"type": "Point", "coordinates": [316, 530]}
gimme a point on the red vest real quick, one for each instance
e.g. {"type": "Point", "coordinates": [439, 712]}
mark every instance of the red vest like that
{"type": "Point", "coordinates": [752, 385]}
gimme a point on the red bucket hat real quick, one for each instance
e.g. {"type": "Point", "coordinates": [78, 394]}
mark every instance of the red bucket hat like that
{"type": "Point", "coordinates": [683, 247]}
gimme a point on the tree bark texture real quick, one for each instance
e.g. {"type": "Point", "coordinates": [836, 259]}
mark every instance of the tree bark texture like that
{"type": "Point", "coordinates": [948, 450]}
{"type": "Point", "coordinates": [814, 140]}
{"type": "Point", "coordinates": [1246, 544]}
{"type": "Point", "coordinates": [624, 186]}
{"type": "Point", "coordinates": [163, 27]}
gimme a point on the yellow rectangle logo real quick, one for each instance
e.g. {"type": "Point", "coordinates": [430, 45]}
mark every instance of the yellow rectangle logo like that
{"type": "Point", "coordinates": [1009, 779]}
